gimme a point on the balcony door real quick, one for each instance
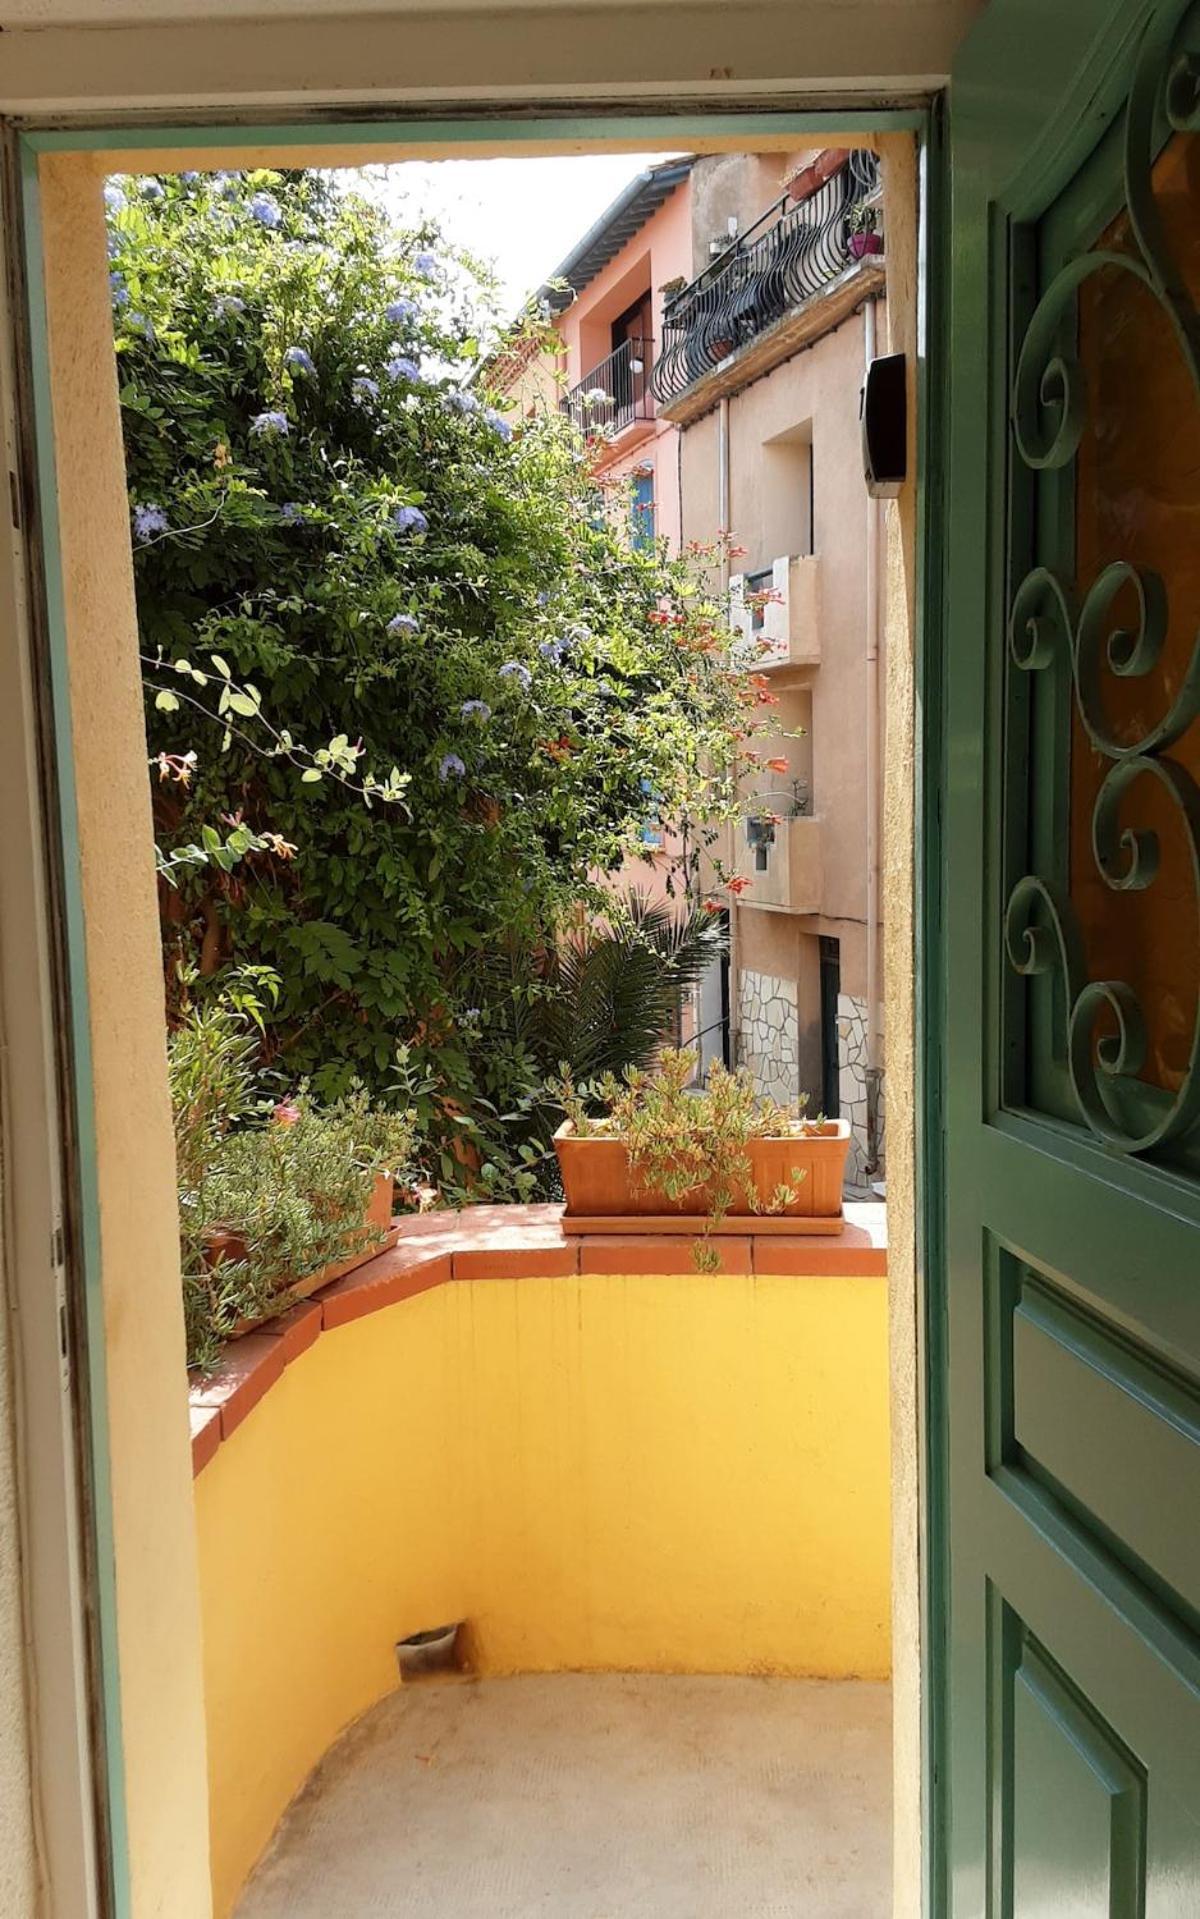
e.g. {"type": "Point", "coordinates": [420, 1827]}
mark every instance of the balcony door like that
{"type": "Point", "coordinates": [632, 343]}
{"type": "Point", "coordinates": [1070, 929]}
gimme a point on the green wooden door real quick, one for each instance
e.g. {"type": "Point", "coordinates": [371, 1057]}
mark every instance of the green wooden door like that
{"type": "Point", "coordinates": [1068, 1699]}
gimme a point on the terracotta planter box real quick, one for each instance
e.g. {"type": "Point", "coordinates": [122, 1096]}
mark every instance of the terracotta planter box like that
{"type": "Point", "coordinates": [378, 1215]}
{"type": "Point", "coordinates": [604, 1195]}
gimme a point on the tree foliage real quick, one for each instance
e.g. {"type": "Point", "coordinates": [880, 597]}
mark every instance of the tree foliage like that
{"type": "Point", "coordinates": [422, 671]}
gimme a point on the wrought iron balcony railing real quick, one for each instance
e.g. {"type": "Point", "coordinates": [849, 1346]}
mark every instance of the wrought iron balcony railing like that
{"type": "Point", "coordinates": [616, 392]}
{"type": "Point", "coordinates": [794, 250]}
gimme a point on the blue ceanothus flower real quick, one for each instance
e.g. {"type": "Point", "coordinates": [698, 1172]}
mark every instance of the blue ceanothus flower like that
{"type": "Point", "coordinates": [265, 208]}
{"type": "Point", "coordinates": [149, 520]}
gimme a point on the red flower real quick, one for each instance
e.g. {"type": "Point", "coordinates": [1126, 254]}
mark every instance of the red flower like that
{"type": "Point", "coordinates": [738, 884]}
{"type": "Point", "coordinates": [286, 1113]}
{"type": "Point", "coordinates": [778, 766]}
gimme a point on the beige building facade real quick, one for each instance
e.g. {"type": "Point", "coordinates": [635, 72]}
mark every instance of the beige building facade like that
{"type": "Point", "coordinates": [768, 362]}
{"type": "Point", "coordinates": [714, 328]}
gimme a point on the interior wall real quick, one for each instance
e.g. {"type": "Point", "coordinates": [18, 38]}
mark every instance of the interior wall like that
{"type": "Point", "coordinates": [100, 56]}
{"type": "Point", "coordinates": [901, 213]}
{"type": "Point", "coordinates": [18, 1869]}
{"type": "Point", "coordinates": [157, 1599]}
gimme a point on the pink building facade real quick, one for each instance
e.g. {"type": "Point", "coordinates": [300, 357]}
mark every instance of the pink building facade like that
{"type": "Point", "coordinates": [611, 331]}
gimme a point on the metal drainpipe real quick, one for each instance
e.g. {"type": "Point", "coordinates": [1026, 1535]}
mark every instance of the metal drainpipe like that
{"type": "Point", "coordinates": [723, 511]}
{"type": "Point", "coordinates": [873, 1070]}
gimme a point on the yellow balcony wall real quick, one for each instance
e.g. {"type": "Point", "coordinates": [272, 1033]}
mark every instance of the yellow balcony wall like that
{"type": "Point", "coordinates": [660, 1473]}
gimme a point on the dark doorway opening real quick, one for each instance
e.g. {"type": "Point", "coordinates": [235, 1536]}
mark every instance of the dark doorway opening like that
{"type": "Point", "coordinates": [831, 986]}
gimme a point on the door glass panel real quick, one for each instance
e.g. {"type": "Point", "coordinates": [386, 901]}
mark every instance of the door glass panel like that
{"type": "Point", "coordinates": [1137, 500]}
{"type": "Point", "coordinates": [1102, 764]}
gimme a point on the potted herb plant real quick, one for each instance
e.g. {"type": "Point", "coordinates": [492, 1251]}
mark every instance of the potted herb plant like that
{"type": "Point", "coordinates": [273, 1202]}
{"type": "Point", "coordinates": [297, 1203]}
{"type": "Point", "coordinates": [660, 1155]}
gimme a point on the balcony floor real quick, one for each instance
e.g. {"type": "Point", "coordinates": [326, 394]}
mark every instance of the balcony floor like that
{"type": "Point", "coordinates": [595, 1797]}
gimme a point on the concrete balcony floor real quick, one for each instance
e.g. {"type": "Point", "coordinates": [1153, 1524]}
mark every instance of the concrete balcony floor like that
{"type": "Point", "coordinates": [595, 1797]}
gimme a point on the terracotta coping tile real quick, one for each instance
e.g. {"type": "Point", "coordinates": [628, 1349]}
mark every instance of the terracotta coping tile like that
{"type": "Point", "coordinates": [248, 1368]}
{"type": "Point", "coordinates": [657, 1253]}
{"type": "Point", "coordinates": [854, 1254]}
{"type": "Point", "coordinates": [527, 1260]}
{"type": "Point", "coordinates": [298, 1329]}
{"type": "Point", "coordinates": [395, 1275]}
{"type": "Point", "coordinates": [870, 1217]}
{"type": "Point", "coordinates": [206, 1434]}
{"type": "Point", "coordinates": [505, 1228]}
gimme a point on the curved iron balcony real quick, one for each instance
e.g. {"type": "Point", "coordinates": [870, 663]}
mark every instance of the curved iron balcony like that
{"type": "Point", "coordinates": [616, 392]}
{"type": "Point", "coordinates": [793, 251]}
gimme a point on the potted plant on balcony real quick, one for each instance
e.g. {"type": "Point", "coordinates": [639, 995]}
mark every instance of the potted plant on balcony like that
{"type": "Point", "coordinates": [273, 1202]}
{"type": "Point", "coordinates": [660, 1155]}
{"type": "Point", "coordinates": [864, 237]}
{"type": "Point", "coordinates": [287, 1208]}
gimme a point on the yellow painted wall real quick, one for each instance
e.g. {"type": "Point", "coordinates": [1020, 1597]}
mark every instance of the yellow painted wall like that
{"type": "Point", "coordinates": [655, 1473]}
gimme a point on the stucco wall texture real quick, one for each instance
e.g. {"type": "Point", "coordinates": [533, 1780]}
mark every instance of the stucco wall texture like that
{"type": "Point", "coordinates": [809, 400]}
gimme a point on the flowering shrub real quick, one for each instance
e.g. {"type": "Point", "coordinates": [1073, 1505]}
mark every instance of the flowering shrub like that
{"type": "Point", "coordinates": [333, 528]}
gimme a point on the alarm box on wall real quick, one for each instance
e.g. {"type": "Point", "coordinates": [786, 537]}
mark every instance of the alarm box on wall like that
{"type": "Point", "coordinates": [883, 412]}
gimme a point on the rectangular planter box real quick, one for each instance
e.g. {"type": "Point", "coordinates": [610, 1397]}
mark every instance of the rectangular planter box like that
{"type": "Point", "coordinates": [603, 1194]}
{"type": "Point", "coordinates": [378, 1215]}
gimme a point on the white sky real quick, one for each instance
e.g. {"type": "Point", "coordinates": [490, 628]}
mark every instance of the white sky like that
{"type": "Point", "coordinates": [522, 215]}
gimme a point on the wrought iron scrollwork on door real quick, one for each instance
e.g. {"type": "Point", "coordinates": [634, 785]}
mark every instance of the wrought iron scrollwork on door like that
{"type": "Point", "coordinates": [1107, 630]}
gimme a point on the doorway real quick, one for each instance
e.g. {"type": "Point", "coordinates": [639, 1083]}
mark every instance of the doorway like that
{"type": "Point", "coordinates": [59, 502]}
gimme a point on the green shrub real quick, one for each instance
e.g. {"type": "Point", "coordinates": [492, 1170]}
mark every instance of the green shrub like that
{"type": "Point", "coordinates": [346, 560]}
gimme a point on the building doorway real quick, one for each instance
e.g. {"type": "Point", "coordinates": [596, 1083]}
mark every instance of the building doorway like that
{"type": "Point", "coordinates": [831, 987]}
{"type": "Point", "coordinates": [111, 1358]}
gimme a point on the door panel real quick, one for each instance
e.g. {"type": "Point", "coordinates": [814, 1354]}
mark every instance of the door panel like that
{"type": "Point", "coordinates": [1070, 1710]}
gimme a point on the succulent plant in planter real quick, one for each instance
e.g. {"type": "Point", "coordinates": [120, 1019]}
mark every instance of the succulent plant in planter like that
{"type": "Point", "coordinates": [273, 1202]}
{"type": "Point", "coordinates": [652, 1152]}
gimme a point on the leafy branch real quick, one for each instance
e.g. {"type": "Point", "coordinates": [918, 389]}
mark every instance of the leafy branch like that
{"type": "Point", "coordinates": [337, 761]}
